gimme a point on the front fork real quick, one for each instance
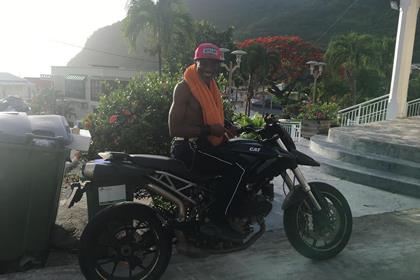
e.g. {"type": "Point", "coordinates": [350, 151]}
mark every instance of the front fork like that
{"type": "Point", "coordinates": [301, 179]}
{"type": "Point", "coordinates": [305, 186]}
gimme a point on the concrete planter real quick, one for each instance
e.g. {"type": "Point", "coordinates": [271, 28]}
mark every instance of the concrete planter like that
{"type": "Point", "coordinates": [312, 127]}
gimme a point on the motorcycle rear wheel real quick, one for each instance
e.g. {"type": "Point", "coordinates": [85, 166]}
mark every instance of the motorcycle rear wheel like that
{"type": "Point", "coordinates": [124, 241]}
{"type": "Point", "coordinates": [319, 235]}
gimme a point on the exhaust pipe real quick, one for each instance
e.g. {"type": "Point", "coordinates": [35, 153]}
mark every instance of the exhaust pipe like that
{"type": "Point", "coordinates": [181, 206]}
{"type": "Point", "coordinates": [182, 246]}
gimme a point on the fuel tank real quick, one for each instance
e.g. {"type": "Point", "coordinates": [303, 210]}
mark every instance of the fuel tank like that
{"type": "Point", "coordinates": [251, 148]}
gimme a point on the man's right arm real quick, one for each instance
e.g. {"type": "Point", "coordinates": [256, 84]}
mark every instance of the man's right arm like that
{"type": "Point", "coordinates": [178, 127]}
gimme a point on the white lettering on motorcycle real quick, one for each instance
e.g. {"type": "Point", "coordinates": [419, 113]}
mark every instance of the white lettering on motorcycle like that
{"type": "Point", "coordinates": [254, 149]}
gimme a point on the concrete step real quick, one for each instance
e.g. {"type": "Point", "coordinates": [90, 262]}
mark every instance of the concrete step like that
{"type": "Point", "coordinates": [362, 141]}
{"type": "Point", "coordinates": [371, 177]}
{"type": "Point", "coordinates": [320, 145]}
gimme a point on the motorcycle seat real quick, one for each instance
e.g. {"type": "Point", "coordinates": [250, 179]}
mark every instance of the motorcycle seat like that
{"type": "Point", "coordinates": [162, 163]}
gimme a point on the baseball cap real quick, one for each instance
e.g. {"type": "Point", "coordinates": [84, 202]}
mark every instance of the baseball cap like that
{"type": "Point", "coordinates": [208, 51]}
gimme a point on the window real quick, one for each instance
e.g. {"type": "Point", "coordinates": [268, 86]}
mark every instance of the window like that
{"type": "Point", "coordinates": [96, 89]}
{"type": "Point", "coordinates": [103, 87]}
{"type": "Point", "coordinates": [75, 86]}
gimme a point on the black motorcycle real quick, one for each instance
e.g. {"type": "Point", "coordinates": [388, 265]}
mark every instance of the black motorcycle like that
{"type": "Point", "coordinates": [134, 240]}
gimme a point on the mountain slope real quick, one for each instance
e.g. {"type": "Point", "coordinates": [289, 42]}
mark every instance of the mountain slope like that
{"type": "Point", "coordinates": [108, 47]}
{"type": "Point", "coordinates": [316, 21]}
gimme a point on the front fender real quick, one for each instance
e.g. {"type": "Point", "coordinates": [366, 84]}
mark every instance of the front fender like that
{"type": "Point", "coordinates": [294, 196]}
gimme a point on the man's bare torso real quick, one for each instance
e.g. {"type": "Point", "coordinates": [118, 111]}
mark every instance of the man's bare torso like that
{"type": "Point", "coordinates": [193, 114]}
{"type": "Point", "coordinates": [185, 115]}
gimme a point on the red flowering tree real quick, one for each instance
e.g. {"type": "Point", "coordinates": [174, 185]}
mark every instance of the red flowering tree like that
{"type": "Point", "coordinates": [292, 52]}
{"type": "Point", "coordinates": [275, 59]}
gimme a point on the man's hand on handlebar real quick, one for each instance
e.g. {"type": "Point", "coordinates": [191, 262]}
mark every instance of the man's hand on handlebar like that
{"type": "Point", "coordinates": [231, 131]}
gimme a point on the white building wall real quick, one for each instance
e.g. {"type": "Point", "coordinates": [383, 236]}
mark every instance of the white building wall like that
{"type": "Point", "coordinates": [86, 105]}
{"type": "Point", "coordinates": [24, 91]}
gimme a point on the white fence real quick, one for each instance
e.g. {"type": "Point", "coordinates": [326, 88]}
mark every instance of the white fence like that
{"type": "Point", "coordinates": [293, 128]}
{"type": "Point", "coordinates": [370, 111]}
{"type": "Point", "coordinates": [373, 111]}
{"type": "Point", "coordinates": [413, 108]}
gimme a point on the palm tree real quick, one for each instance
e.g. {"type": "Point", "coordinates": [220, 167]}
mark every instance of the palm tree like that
{"type": "Point", "coordinates": [163, 21]}
{"type": "Point", "coordinates": [256, 66]}
{"type": "Point", "coordinates": [350, 53]}
{"type": "Point", "coordinates": [384, 60]}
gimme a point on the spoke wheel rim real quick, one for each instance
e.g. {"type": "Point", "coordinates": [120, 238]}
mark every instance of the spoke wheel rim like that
{"type": "Point", "coordinates": [322, 235]}
{"type": "Point", "coordinates": [131, 251]}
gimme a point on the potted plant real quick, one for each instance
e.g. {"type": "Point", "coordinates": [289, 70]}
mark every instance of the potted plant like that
{"type": "Point", "coordinates": [317, 118]}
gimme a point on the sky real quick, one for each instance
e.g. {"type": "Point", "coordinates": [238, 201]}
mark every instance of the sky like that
{"type": "Point", "coordinates": [38, 34]}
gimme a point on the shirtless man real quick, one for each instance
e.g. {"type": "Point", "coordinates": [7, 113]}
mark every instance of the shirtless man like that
{"type": "Point", "coordinates": [199, 134]}
{"type": "Point", "coordinates": [186, 115]}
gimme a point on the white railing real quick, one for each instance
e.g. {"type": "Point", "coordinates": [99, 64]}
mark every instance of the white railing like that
{"type": "Point", "coordinates": [370, 111]}
{"type": "Point", "coordinates": [413, 108]}
{"type": "Point", "coordinates": [293, 128]}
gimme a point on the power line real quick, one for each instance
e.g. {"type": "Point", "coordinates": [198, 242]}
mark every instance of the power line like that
{"type": "Point", "coordinates": [106, 52]}
{"type": "Point", "coordinates": [337, 20]}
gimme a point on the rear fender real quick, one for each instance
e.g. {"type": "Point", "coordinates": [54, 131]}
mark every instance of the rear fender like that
{"type": "Point", "coordinates": [136, 205]}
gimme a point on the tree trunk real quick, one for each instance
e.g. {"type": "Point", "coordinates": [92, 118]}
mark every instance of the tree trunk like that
{"type": "Point", "coordinates": [353, 85]}
{"type": "Point", "coordinates": [354, 90]}
{"type": "Point", "coordinates": [160, 60]}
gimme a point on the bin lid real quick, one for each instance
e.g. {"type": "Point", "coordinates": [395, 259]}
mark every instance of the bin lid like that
{"type": "Point", "coordinates": [15, 127]}
{"type": "Point", "coordinates": [52, 126]}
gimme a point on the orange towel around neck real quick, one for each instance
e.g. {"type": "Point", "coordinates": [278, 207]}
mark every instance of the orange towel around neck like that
{"type": "Point", "coordinates": [210, 100]}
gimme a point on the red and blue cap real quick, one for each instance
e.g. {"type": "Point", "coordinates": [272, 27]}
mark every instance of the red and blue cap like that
{"type": "Point", "coordinates": [208, 51]}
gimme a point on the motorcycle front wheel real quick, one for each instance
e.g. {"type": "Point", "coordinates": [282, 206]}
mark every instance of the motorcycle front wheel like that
{"type": "Point", "coordinates": [319, 234]}
{"type": "Point", "coordinates": [125, 241]}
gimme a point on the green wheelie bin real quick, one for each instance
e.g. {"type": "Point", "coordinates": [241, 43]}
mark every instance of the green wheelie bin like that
{"type": "Point", "coordinates": [32, 159]}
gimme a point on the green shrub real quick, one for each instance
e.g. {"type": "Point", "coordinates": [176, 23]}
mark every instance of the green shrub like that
{"type": "Point", "coordinates": [134, 119]}
{"type": "Point", "coordinates": [318, 111]}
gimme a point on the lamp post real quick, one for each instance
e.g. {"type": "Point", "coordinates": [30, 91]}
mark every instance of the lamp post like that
{"type": "Point", "coordinates": [315, 68]}
{"type": "Point", "coordinates": [395, 4]}
{"type": "Point", "coordinates": [231, 68]}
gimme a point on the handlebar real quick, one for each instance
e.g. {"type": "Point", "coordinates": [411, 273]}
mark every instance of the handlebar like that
{"type": "Point", "coordinates": [246, 129]}
{"type": "Point", "coordinates": [250, 129]}
{"type": "Point", "coordinates": [271, 132]}
{"type": "Point", "coordinates": [268, 118]}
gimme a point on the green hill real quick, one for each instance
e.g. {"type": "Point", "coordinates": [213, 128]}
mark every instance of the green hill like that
{"type": "Point", "coordinates": [309, 19]}
{"type": "Point", "coordinates": [316, 21]}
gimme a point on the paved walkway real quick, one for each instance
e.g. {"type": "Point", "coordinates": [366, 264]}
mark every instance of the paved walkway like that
{"type": "Point", "coordinates": [363, 200]}
{"type": "Point", "coordinates": [382, 247]}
